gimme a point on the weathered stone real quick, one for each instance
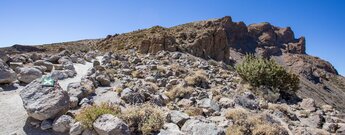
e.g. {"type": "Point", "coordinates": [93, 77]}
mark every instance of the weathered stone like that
{"type": "Point", "coordinates": [197, 127]}
{"type": "Point", "coordinates": [209, 104]}
{"type": "Point", "coordinates": [308, 104]}
{"type": "Point", "coordinates": [27, 75]}
{"type": "Point", "coordinates": [44, 102]}
{"type": "Point", "coordinates": [63, 123]}
{"type": "Point", "coordinates": [104, 80]}
{"type": "Point", "coordinates": [177, 117]}
{"type": "Point", "coordinates": [76, 129]}
{"type": "Point", "coordinates": [47, 64]}
{"type": "Point", "coordinates": [170, 129]}
{"type": "Point", "coordinates": [108, 124]}
{"type": "Point", "coordinates": [7, 75]}
{"type": "Point", "coordinates": [46, 124]}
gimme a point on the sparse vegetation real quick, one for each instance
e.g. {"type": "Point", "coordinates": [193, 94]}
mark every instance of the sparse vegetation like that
{"type": "Point", "coordinates": [237, 114]}
{"type": "Point", "coordinates": [255, 125]}
{"type": "Point", "coordinates": [179, 91]}
{"type": "Point", "coordinates": [263, 72]}
{"type": "Point", "coordinates": [198, 79]}
{"type": "Point", "coordinates": [145, 119]}
{"type": "Point", "coordinates": [89, 114]}
{"type": "Point", "coordinates": [193, 111]}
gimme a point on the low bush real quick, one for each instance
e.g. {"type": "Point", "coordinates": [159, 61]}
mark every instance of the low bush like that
{"type": "Point", "coordinates": [89, 114]}
{"type": "Point", "coordinates": [263, 72]}
{"type": "Point", "coordinates": [179, 91]}
{"type": "Point", "coordinates": [144, 119]}
{"type": "Point", "coordinates": [198, 79]}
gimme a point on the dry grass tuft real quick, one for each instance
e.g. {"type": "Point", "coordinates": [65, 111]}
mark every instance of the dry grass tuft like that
{"type": "Point", "coordinates": [89, 114]}
{"type": "Point", "coordinates": [144, 119]}
{"type": "Point", "coordinates": [198, 79]}
{"type": "Point", "coordinates": [179, 92]}
{"type": "Point", "coordinates": [194, 111]}
{"type": "Point", "coordinates": [237, 114]}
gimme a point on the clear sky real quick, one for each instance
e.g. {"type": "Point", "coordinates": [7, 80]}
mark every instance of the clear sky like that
{"type": "Point", "coordinates": [31, 22]}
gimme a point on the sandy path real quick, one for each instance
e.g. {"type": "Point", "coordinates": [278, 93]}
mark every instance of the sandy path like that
{"type": "Point", "coordinates": [13, 117]}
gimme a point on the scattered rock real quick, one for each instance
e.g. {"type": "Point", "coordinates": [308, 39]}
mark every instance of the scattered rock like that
{"type": "Point", "coordinates": [27, 75]}
{"type": "Point", "coordinates": [46, 124]}
{"type": "Point", "coordinates": [63, 123]}
{"type": "Point", "coordinates": [177, 117]}
{"type": "Point", "coordinates": [108, 124]}
{"type": "Point", "coordinates": [209, 104]}
{"type": "Point", "coordinates": [7, 75]}
{"type": "Point", "coordinates": [308, 104]}
{"type": "Point", "coordinates": [76, 129]}
{"type": "Point", "coordinates": [47, 64]}
{"type": "Point", "coordinates": [170, 129]}
{"type": "Point", "coordinates": [197, 127]}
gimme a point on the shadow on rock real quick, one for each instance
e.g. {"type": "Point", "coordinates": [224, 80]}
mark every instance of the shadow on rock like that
{"type": "Point", "coordinates": [30, 129]}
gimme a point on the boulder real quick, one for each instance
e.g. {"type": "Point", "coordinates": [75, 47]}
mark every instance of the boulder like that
{"type": "Point", "coordinates": [63, 123]}
{"type": "Point", "coordinates": [4, 57]}
{"type": "Point", "coordinates": [46, 124]}
{"type": "Point", "coordinates": [308, 104]}
{"type": "Point", "coordinates": [247, 102]}
{"type": "Point", "coordinates": [15, 65]}
{"type": "Point", "coordinates": [208, 104]}
{"type": "Point", "coordinates": [59, 75]}
{"type": "Point", "coordinates": [170, 129]}
{"type": "Point", "coordinates": [177, 117]}
{"type": "Point", "coordinates": [108, 124]}
{"type": "Point", "coordinates": [28, 74]}
{"type": "Point", "coordinates": [47, 64]}
{"type": "Point", "coordinates": [104, 80]}
{"type": "Point", "coordinates": [76, 90]}
{"type": "Point", "coordinates": [7, 75]}
{"type": "Point", "coordinates": [44, 102]}
{"type": "Point", "coordinates": [198, 127]}
{"type": "Point", "coordinates": [131, 97]}
{"type": "Point", "coordinates": [76, 129]}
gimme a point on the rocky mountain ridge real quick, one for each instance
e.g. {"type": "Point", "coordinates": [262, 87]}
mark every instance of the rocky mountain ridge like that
{"type": "Point", "coordinates": [178, 80]}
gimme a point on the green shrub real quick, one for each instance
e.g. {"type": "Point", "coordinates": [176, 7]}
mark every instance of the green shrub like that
{"type": "Point", "coordinates": [263, 72]}
{"type": "Point", "coordinates": [89, 114]}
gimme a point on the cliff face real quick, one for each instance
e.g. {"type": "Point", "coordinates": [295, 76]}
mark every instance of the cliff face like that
{"type": "Point", "coordinates": [228, 41]}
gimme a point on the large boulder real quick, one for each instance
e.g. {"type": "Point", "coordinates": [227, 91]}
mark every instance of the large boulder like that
{"type": "Point", "coordinates": [7, 75]}
{"type": "Point", "coordinates": [108, 124]}
{"type": "Point", "coordinates": [43, 102]}
{"type": "Point", "coordinates": [28, 74]}
{"type": "Point", "coordinates": [47, 64]}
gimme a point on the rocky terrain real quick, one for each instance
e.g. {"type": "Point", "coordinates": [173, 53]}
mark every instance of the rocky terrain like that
{"type": "Point", "coordinates": [168, 81]}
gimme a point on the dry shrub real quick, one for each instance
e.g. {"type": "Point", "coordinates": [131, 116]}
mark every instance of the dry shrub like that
{"type": "Point", "coordinates": [179, 91]}
{"type": "Point", "coordinates": [145, 119]}
{"type": "Point", "coordinates": [237, 114]}
{"type": "Point", "coordinates": [194, 111]}
{"type": "Point", "coordinates": [89, 114]}
{"type": "Point", "coordinates": [137, 74]}
{"type": "Point", "coordinates": [151, 87]}
{"type": "Point", "coordinates": [198, 79]}
{"type": "Point", "coordinates": [255, 124]}
{"type": "Point", "coordinates": [269, 129]}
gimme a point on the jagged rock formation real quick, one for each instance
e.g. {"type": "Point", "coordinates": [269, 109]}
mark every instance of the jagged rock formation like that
{"type": "Point", "coordinates": [225, 40]}
{"type": "Point", "coordinates": [185, 71]}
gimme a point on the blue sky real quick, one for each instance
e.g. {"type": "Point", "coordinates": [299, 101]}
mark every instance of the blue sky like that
{"type": "Point", "coordinates": [322, 22]}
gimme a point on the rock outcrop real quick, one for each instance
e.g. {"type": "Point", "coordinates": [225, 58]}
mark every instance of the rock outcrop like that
{"type": "Point", "coordinates": [44, 102]}
{"type": "Point", "coordinates": [7, 75]}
